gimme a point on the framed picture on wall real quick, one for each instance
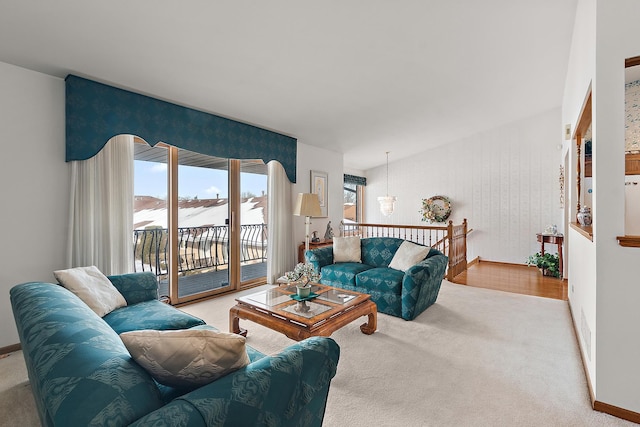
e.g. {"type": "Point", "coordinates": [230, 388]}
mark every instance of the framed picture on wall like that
{"type": "Point", "coordinates": [319, 186]}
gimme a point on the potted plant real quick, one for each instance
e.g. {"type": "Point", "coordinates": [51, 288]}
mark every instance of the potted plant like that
{"type": "Point", "coordinates": [303, 274]}
{"type": "Point", "coordinates": [547, 263]}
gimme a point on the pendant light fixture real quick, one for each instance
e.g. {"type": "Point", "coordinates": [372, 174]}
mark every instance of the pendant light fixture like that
{"type": "Point", "coordinates": [387, 202]}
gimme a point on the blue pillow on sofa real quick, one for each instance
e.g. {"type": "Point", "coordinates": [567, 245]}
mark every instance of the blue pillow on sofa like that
{"type": "Point", "coordinates": [151, 314]}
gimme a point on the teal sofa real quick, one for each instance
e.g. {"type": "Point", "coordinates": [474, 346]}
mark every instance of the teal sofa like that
{"type": "Point", "coordinates": [398, 293]}
{"type": "Point", "coordinates": [81, 373]}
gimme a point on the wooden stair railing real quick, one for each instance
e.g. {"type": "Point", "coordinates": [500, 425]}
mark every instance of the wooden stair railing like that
{"type": "Point", "coordinates": [457, 235]}
{"type": "Point", "coordinates": [451, 239]}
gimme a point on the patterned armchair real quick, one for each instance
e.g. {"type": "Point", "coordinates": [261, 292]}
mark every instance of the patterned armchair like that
{"type": "Point", "coordinates": [403, 294]}
{"type": "Point", "coordinates": [82, 374]}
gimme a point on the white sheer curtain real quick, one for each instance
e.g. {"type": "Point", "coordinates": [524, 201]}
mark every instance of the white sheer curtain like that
{"type": "Point", "coordinates": [280, 246]}
{"type": "Point", "coordinates": [101, 211]}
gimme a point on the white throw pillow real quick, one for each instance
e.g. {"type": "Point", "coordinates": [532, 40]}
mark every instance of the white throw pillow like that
{"type": "Point", "coordinates": [408, 255]}
{"type": "Point", "coordinates": [92, 287]}
{"type": "Point", "coordinates": [346, 249]}
{"type": "Point", "coordinates": [186, 357]}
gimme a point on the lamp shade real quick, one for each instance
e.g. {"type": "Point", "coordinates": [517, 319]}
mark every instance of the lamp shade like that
{"type": "Point", "coordinates": [307, 204]}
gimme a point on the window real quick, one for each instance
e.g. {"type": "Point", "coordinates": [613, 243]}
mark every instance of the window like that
{"type": "Point", "coordinates": [353, 197]}
{"type": "Point", "coordinates": [351, 205]}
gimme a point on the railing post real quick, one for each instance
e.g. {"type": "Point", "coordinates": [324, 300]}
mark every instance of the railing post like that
{"type": "Point", "coordinates": [263, 231]}
{"type": "Point", "coordinates": [216, 232]}
{"type": "Point", "coordinates": [464, 242]}
{"type": "Point", "coordinates": [449, 248]}
{"type": "Point", "coordinates": [157, 233]}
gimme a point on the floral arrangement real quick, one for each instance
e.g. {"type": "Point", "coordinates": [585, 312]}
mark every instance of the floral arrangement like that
{"type": "Point", "coordinates": [304, 273]}
{"type": "Point", "coordinates": [436, 209]}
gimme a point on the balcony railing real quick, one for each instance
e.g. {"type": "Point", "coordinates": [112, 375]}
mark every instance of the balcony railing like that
{"type": "Point", "coordinates": [199, 247]}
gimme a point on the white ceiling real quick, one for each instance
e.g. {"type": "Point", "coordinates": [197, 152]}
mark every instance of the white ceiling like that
{"type": "Point", "coordinates": [360, 77]}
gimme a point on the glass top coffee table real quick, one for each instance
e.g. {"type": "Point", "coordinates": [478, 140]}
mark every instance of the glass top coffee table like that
{"type": "Point", "coordinates": [332, 309]}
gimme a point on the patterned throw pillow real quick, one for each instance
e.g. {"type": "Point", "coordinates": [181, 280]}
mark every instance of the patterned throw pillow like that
{"type": "Point", "coordinates": [346, 249]}
{"type": "Point", "coordinates": [92, 287]}
{"type": "Point", "coordinates": [186, 358]}
{"type": "Point", "coordinates": [408, 255]}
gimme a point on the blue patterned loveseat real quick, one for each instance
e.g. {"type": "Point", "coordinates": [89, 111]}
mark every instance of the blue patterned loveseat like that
{"type": "Point", "coordinates": [403, 294]}
{"type": "Point", "coordinates": [81, 373]}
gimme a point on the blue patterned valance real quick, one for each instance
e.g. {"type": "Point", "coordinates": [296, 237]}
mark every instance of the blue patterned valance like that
{"type": "Point", "coordinates": [97, 112]}
{"type": "Point", "coordinates": [354, 179]}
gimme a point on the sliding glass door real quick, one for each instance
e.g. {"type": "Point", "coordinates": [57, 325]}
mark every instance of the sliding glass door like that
{"type": "Point", "coordinates": [203, 232]}
{"type": "Point", "coordinates": [206, 232]}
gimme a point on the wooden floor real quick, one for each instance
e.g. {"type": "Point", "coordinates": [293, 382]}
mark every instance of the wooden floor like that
{"type": "Point", "coordinates": [520, 279]}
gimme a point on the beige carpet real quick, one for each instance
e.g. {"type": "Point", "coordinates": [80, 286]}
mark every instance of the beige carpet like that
{"type": "Point", "coordinates": [17, 407]}
{"type": "Point", "coordinates": [476, 358]}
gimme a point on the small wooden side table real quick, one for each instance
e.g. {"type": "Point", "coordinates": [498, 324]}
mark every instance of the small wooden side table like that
{"type": "Point", "coordinates": [312, 245]}
{"type": "Point", "coordinates": [554, 239]}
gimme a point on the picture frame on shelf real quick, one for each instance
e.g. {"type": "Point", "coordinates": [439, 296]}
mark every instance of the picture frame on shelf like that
{"type": "Point", "coordinates": [319, 186]}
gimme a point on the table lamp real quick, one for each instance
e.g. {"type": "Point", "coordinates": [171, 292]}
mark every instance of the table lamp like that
{"type": "Point", "coordinates": [307, 205]}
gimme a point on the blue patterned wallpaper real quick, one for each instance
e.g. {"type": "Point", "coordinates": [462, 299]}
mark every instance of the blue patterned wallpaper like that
{"type": "Point", "coordinates": [96, 112]}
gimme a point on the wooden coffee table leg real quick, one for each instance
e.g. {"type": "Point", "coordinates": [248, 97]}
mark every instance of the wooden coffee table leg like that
{"type": "Point", "coordinates": [234, 323]}
{"type": "Point", "coordinates": [372, 320]}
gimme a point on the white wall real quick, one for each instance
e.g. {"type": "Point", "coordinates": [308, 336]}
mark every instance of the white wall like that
{"type": "Point", "coordinates": [581, 253]}
{"type": "Point", "coordinates": [606, 287]}
{"type": "Point", "coordinates": [318, 159]}
{"type": "Point", "coordinates": [504, 181]}
{"type": "Point", "coordinates": [35, 184]}
{"type": "Point", "coordinates": [356, 172]}
{"type": "Point", "coordinates": [618, 372]}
